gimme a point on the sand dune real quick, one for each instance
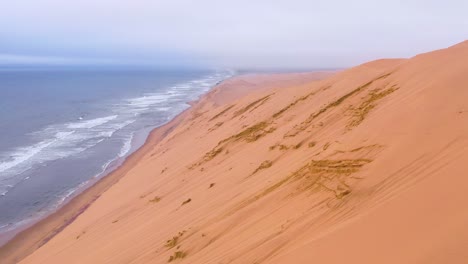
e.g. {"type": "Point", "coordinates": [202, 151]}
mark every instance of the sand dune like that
{"type": "Point", "coordinates": [365, 166]}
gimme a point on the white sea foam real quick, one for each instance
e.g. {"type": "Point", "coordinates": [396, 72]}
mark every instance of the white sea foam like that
{"type": "Point", "coordinates": [69, 193]}
{"type": "Point", "coordinates": [147, 100]}
{"type": "Point", "coordinates": [104, 167]}
{"type": "Point", "coordinates": [60, 142]}
{"type": "Point", "coordinates": [25, 153]}
{"type": "Point", "coordinates": [126, 146]}
{"type": "Point", "coordinates": [92, 123]}
{"type": "Point", "coordinates": [71, 138]}
{"type": "Point", "coordinates": [163, 108]}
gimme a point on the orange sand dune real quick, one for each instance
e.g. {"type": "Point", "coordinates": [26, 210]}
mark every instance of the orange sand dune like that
{"type": "Point", "coordinates": [368, 165]}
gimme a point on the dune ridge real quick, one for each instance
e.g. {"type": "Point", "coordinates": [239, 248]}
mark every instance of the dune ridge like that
{"type": "Point", "coordinates": [365, 166]}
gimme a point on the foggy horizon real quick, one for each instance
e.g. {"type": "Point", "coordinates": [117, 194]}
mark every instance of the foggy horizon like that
{"type": "Point", "coordinates": [209, 34]}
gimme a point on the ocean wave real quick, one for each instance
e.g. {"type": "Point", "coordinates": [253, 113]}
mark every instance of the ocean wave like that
{"type": "Point", "coordinates": [147, 100]}
{"type": "Point", "coordinates": [70, 138]}
{"type": "Point", "coordinates": [25, 153]}
{"type": "Point", "coordinates": [126, 146]}
{"type": "Point", "coordinates": [173, 96]}
{"type": "Point", "coordinates": [91, 123]}
{"type": "Point", "coordinates": [60, 142]}
{"type": "Point", "coordinates": [69, 193]}
{"type": "Point", "coordinates": [104, 167]}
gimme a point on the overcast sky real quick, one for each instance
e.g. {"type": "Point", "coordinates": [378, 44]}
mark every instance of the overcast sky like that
{"type": "Point", "coordinates": [217, 33]}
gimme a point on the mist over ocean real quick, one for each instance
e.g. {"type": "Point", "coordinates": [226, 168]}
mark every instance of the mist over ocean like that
{"type": "Point", "coordinates": [61, 130]}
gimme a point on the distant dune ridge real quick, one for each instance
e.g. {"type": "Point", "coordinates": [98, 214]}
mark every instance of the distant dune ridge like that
{"type": "Point", "coordinates": [367, 165]}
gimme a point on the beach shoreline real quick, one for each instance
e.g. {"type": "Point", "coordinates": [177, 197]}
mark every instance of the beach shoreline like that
{"type": "Point", "coordinates": [75, 141]}
{"type": "Point", "coordinates": [26, 239]}
{"type": "Point", "coordinates": [33, 236]}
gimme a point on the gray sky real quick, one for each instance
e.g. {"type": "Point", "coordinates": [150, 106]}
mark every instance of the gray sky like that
{"type": "Point", "coordinates": [216, 33]}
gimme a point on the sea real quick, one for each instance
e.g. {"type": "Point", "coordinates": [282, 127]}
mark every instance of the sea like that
{"type": "Point", "coordinates": [61, 130]}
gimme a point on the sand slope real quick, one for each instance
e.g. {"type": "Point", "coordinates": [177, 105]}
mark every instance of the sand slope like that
{"type": "Point", "coordinates": [366, 166]}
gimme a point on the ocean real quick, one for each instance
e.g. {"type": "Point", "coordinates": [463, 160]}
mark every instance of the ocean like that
{"type": "Point", "coordinates": [61, 130]}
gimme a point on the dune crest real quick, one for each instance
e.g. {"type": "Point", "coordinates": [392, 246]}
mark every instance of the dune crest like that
{"type": "Point", "coordinates": [367, 165]}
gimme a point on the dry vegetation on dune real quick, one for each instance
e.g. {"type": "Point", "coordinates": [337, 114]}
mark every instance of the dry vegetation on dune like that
{"type": "Point", "coordinates": [300, 99]}
{"type": "Point", "coordinates": [264, 165]}
{"type": "Point", "coordinates": [253, 133]}
{"type": "Point", "coordinates": [222, 112]}
{"type": "Point", "coordinates": [249, 135]}
{"type": "Point", "coordinates": [258, 130]}
{"type": "Point", "coordinates": [252, 106]}
{"type": "Point", "coordinates": [156, 199]}
{"type": "Point", "coordinates": [177, 255]}
{"type": "Point", "coordinates": [334, 104]}
{"type": "Point", "coordinates": [328, 175]}
{"type": "Point", "coordinates": [370, 102]}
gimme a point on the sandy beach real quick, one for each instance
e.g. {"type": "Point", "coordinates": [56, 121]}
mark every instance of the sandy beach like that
{"type": "Point", "coordinates": [365, 165]}
{"type": "Point", "coordinates": [38, 234]}
{"type": "Point", "coordinates": [35, 236]}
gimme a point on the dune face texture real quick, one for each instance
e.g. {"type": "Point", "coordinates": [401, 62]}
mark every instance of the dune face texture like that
{"type": "Point", "coordinates": [368, 165]}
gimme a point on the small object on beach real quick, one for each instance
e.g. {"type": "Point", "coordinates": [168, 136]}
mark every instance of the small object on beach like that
{"type": "Point", "coordinates": [187, 201]}
{"type": "Point", "coordinates": [156, 199]}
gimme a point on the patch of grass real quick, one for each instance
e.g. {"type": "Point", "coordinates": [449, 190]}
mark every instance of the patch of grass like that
{"type": "Point", "coordinates": [250, 134]}
{"type": "Point", "coordinates": [328, 175]}
{"type": "Point", "coordinates": [207, 157]}
{"type": "Point", "coordinates": [177, 255]}
{"type": "Point", "coordinates": [279, 146]}
{"type": "Point", "coordinates": [213, 153]}
{"type": "Point", "coordinates": [331, 105]}
{"type": "Point", "coordinates": [346, 96]}
{"type": "Point", "coordinates": [172, 242]}
{"type": "Point", "coordinates": [302, 98]}
{"type": "Point", "coordinates": [216, 126]}
{"type": "Point", "coordinates": [264, 165]}
{"type": "Point", "coordinates": [251, 105]}
{"type": "Point", "coordinates": [254, 132]}
{"type": "Point", "coordinates": [156, 199]}
{"type": "Point", "coordinates": [222, 112]}
{"type": "Point", "coordinates": [345, 166]}
{"type": "Point", "coordinates": [186, 201]}
{"type": "Point", "coordinates": [298, 145]}
{"type": "Point", "coordinates": [285, 147]}
{"type": "Point", "coordinates": [342, 192]}
{"type": "Point", "coordinates": [82, 233]}
{"type": "Point", "coordinates": [369, 103]}
{"type": "Point", "coordinates": [366, 147]}
{"type": "Point", "coordinates": [319, 174]}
